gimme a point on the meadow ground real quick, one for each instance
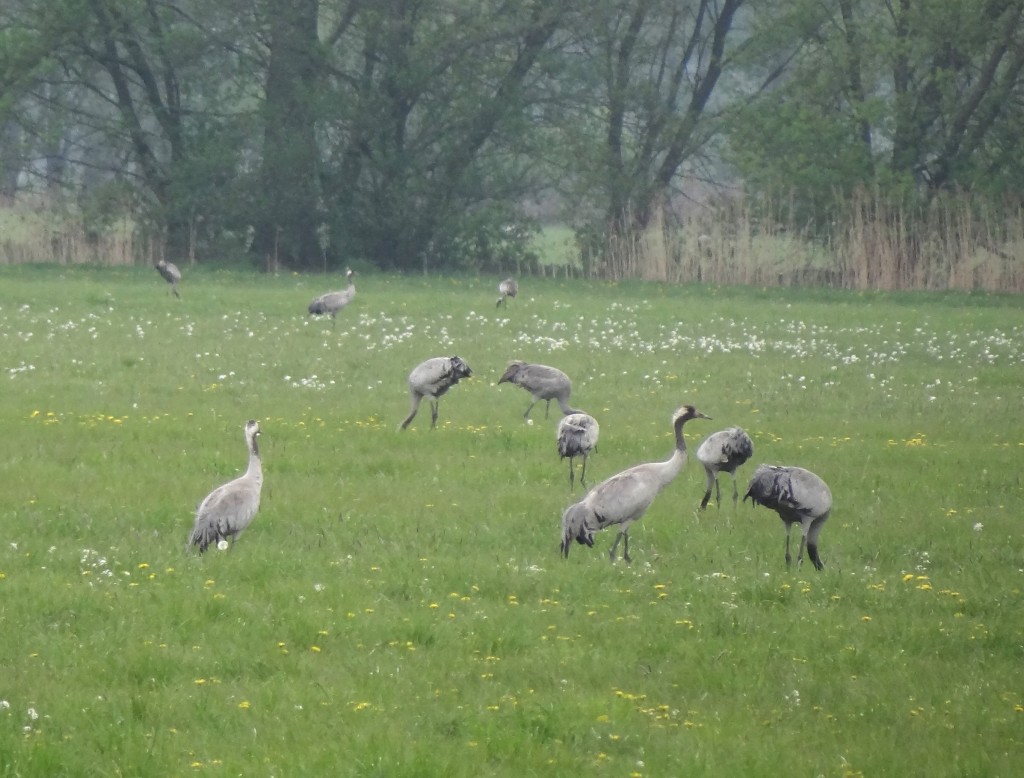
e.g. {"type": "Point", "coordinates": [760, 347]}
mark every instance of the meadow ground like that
{"type": "Point", "coordinates": [399, 607]}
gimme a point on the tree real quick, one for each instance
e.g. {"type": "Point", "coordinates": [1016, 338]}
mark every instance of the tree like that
{"type": "Point", "coordinates": [908, 98]}
{"type": "Point", "coordinates": [648, 74]}
{"type": "Point", "coordinates": [288, 211]}
{"type": "Point", "coordinates": [128, 92]}
{"type": "Point", "coordinates": [428, 102]}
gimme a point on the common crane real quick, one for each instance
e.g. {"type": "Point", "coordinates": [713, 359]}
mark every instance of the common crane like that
{"type": "Point", "coordinates": [507, 288]}
{"type": "Point", "coordinates": [432, 379]}
{"type": "Point", "coordinates": [577, 437]}
{"type": "Point", "coordinates": [230, 508]}
{"type": "Point", "coordinates": [332, 302]}
{"type": "Point", "coordinates": [723, 451]}
{"type": "Point", "coordinates": [170, 274]}
{"type": "Point", "coordinates": [542, 382]}
{"type": "Point", "coordinates": [799, 497]}
{"type": "Point", "coordinates": [625, 497]}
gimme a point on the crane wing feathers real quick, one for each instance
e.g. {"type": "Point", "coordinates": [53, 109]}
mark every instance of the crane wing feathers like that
{"type": "Point", "coordinates": [789, 489]}
{"type": "Point", "coordinates": [727, 447]}
{"type": "Point", "coordinates": [623, 497]}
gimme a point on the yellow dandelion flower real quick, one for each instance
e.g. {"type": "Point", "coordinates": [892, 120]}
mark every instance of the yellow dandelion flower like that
{"type": "Point", "coordinates": [865, 618]}
{"type": "Point", "coordinates": [908, 577]}
{"type": "Point", "coordinates": [244, 705]}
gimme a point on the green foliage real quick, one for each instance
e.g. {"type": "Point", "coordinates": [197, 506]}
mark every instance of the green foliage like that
{"type": "Point", "coordinates": [399, 607]}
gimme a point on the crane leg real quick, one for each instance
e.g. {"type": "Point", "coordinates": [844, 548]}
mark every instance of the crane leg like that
{"type": "Point", "coordinates": [789, 559]}
{"type": "Point", "coordinates": [415, 402]}
{"type": "Point", "coordinates": [530, 408]}
{"type": "Point", "coordinates": [615, 545]}
{"type": "Point", "coordinates": [572, 475]}
{"type": "Point", "coordinates": [735, 491]}
{"type": "Point", "coordinates": [433, 413]}
{"type": "Point", "coordinates": [707, 493]}
{"type": "Point", "coordinates": [547, 407]}
{"type": "Point", "coordinates": [583, 473]}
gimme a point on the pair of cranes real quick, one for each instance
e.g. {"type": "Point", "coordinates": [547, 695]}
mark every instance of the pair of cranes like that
{"type": "Point", "coordinates": [329, 303]}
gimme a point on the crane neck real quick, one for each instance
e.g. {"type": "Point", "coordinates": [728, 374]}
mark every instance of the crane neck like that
{"type": "Point", "coordinates": [566, 408]}
{"type": "Point", "coordinates": [680, 440]}
{"type": "Point", "coordinates": [255, 468]}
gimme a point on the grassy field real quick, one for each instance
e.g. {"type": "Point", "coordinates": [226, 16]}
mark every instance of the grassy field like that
{"type": "Point", "coordinates": [399, 607]}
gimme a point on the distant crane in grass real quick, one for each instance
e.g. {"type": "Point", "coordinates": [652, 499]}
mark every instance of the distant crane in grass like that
{"type": "Point", "coordinates": [723, 452]}
{"type": "Point", "coordinates": [799, 497]}
{"type": "Point", "coordinates": [170, 274]}
{"type": "Point", "coordinates": [332, 302]}
{"type": "Point", "coordinates": [432, 379]}
{"type": "Point", "coordinates": [625, 497]}
{"type": "Point", "coordinates": [231, 507]}
{"type": "Point", "coordinates": [507, 288]}
{"type": "Point", "coordinates": [542, 382]}
{"type": "Point", "coordinates": [577, 437]}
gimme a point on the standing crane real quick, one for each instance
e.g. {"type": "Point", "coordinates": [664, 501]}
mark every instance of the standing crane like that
{"type": "Point", "coordinates": [542, 382]}
{"type": "Point", "coordinates": [432, 379]}
{"type": "Point", "coordinates": [170, 274]}
{"type": "Point", "coordinates": [577, 437]}
{"type": "Point", "coordinates": [231, 507]}
{"type": "Point", "coordinates": [507, 288]}
{"type": "Point", "coordinates": [332, 302]}
{"type": "Point", "coordinates": [723, 452]}
{"type": "Point", "coordinates": [625, 497]}
{"type": "Point", "coordinates": [799, 497]}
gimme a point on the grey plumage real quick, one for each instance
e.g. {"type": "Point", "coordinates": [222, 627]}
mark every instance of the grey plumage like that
{"type": "Point", "coordinates": [542, 382]}
{"type": "Point", "coordinates": [332, 302]}
{"type": "Point", "coordinates": [507, 288]}
{"type": "Point", "coordinates": [799, 497]}
{"type": "Point", "coordinates": [577, 437]}
{"type": "Point", "coordinates": [432, 379]}
{"type": "Point", "coordinates": [723, 452]}
{"type": "Point", "coordinates": [170, 273]}
{"type": "Point", "coordinates": [625, 497]}
{"type": "Point", "coordinates": [231, 507]}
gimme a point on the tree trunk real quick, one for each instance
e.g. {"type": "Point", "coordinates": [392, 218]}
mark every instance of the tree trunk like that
{"type": "Point", "coordinates": [287, 213]}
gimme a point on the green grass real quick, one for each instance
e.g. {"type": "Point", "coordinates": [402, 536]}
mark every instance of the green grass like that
{"type": "Point", "coordinates": [399, 608]}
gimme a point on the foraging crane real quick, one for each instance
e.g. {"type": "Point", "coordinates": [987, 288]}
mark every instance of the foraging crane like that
{"type": "Point", "coordinates": [542, 382]}
{"type": "Point", "coordinates": [170, 274]}
{"type": "Point", "coordinates": [577, 437]}
{"type": "Point", "coordinates": [332, 302]}
{"type": "Point", "coordinates": [432, 379]}
{"type": "Point", "coordinates": [507, 288]}
{"type": "Point", "coordinates": [230, 508]}
{"type": "Point", "coordinates": [625, 497]}
{"type": "Point", "coordinates": [799, 497]}
{"type": "Point", "coordinates": [723, 451]}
